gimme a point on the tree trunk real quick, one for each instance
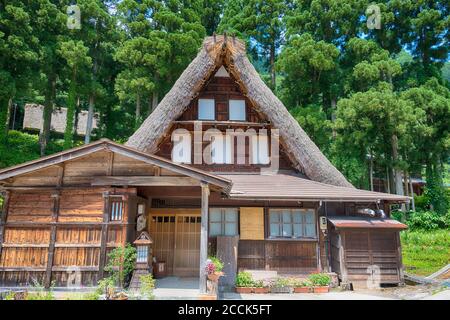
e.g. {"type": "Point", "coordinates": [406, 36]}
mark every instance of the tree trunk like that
{"type": "Point", "coordinates": [71, 106]}
{"type": "Point", "coordinates": [371, 171]}
{"type": "Point", "coordinates": [388, 180]}
{"type": "Point", "coordinates": [154, 100]}
{"type": "Point", "coordinates": [397, 173]}
{"type": "Point", "coordinates": [90, 118]}
{"type": "Point", "coordinates": [272, 67]}
{"type": "Point", "coordinates": [4, 103]}
{"type": "Point", "coordinates": [138, 110]}
{"type": "Point", "coordinates": [406, 188]}
{"type": "Point", "coordinates": [50, 93]}
{"type": "Point", "coordinates": [413, 204]}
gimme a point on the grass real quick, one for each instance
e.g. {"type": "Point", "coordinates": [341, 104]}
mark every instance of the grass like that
{"type": "Point", "coordinates": [425, 252]}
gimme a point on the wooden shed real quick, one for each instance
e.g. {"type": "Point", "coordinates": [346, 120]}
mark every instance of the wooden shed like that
{"type": "Point", "coordinates": [366, 251]}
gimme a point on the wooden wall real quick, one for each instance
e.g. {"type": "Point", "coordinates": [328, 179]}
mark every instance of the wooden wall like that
{"type": "Point", "coordinates": [359, 255]}
{"type": "Point", "coordinates": [222, 89]}
{"type": "Point", "coordinates": [50, 235]}
{"type": "Point", "coordinates": [283, 256]}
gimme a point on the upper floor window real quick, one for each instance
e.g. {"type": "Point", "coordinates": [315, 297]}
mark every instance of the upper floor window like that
{"type": "Point", "coordinates": [260, 149]}
{"type": "Point", "coordinates": [237, 110]}
{"type": "Point", "coordinates": [221, 149]}
{"type": "Point", "coordinates": [181, 150]}
{"type": "Point", "coordinates": [206, 109]}
{"type": "Point", "coordinates": [292, 223]}
{"type": "Point", "coordinates": [223, 222]}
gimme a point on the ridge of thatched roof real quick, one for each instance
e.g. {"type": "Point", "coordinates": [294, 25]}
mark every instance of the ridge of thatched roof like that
{"type": "Point", "coordinates": [215, 52]}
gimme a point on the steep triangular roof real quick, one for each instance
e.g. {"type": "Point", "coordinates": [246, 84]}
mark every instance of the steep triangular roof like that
{"type": "Point", "coordinates": [215, 52]}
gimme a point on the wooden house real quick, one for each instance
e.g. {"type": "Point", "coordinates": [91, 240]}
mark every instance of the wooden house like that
{"type": "Point", "coordinates": [178, 172]}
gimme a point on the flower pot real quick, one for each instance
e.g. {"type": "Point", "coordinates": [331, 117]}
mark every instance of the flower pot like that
{"type": "Point", "coordinates": [215, 276]}
{"type": "Point", "coordinates": [244, 290]}
{"type": "Point", "coordinates": [281, 290]}
{"type": "Point", "coordinates": [302, 289]}
{"type": "Point", "coordinates": [261, 290]}
{"type": "Point", "coordinates": [324, 289]}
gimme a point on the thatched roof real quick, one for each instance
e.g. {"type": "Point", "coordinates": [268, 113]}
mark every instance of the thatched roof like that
{"type": "Point", "coordinates": [218, 51]}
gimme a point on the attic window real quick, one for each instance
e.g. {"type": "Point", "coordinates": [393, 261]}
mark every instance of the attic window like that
{"type": "Point", "coordinates": [206, 109]}
{"type": "Point", "coordinates": [237, 110]}
{"type": "Point", "coordinates": [181, 151]}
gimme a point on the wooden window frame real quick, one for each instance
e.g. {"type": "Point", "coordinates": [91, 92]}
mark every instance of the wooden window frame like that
{"type": "Point", "coordinates": [229, 110]}
{"type": "Point", "coordinates": [214, 111]}
{"type": "Point", "coordinates": [301, 238]}
{"type": "Point", "coordinates": [223, 221]}
{"type": "Point", "coordinates": [114, 215]}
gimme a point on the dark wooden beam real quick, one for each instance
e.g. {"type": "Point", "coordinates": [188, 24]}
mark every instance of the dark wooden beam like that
{"type": "Point", "coordinates": [149, 181]}
{"type": "Point", "coordinates": [104, 236]}
{"type": "Point", "coordinates": [3, 217]}
{"type": "Point", "coordinates": [204, 237]}
{"type": "Point", "coordinates": [51, 248]}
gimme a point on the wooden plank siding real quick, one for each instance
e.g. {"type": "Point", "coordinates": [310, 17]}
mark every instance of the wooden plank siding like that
{"type": "Point", "coordinates": [358, 254]}
{"type": "Point", "coordinates": [283, 256]}
{"type": "Point", "coordinates": [52, 242]}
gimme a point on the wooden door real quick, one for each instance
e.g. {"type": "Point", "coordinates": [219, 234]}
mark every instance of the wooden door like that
{"type": "Point", "coordinates": [162, 231]}
{"type": "Point", "coordinates": [187, 245]}
{"type": "Point", "coordinates": [176, 239]}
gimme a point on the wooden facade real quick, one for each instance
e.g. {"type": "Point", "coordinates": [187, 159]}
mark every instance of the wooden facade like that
{"type": "Point", "coordinates": [64, 213]}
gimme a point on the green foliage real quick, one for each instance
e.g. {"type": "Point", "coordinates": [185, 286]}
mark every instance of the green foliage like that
{"type": "Point", "coordinates": [147, 286]}
{"type": "Point", "coordinates": [281, 282]}
{"type": "Point", "coordinates": [39, 292]}
{"type": "Point", "coordinates": [421, 202]}
{"type": "Point", "coordinates": [105, 285]}
{"type": "Point", "coordinates": [244, 279]}
{"type": "Point", "coordinates": [121, 263]}
{"type": "Point", "coordinates": [425, 252]}
{"type": "Point", "coordinates": [218, 264]}
{"type": "Point", "coordinates": [26, 148]}
{"type": "Point", "coordinates": [426, 220]}
{"type": "Point", "coordinates": [299, 283]}
{"type": "Point", "coordinates": [319, 279]}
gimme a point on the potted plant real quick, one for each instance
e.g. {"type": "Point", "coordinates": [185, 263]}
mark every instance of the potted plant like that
{"type": "Point", "coordinates": [260, 287]}
{"type": "Point", "coordinates": [281, 285]}
{"type": "Point", "coordinates": [320, 282]}
{"type": "Point", "coordinates": [301, 286]}
{"type": "Point", "coordinates": [244, 282]}
{"type": "Point", "coordinates": [214, 267]}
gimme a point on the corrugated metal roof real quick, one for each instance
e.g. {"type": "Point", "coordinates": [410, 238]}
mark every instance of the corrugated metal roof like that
{"type": "Point", "coordinates": [292, 187]}
{"type": "Point", "coordinates": [361, 222]}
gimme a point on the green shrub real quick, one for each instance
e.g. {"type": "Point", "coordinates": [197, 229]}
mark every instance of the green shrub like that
{"type": "Point", "coordinates": [40, 293]}
{"type": "Point", "coordinates": [105, 284]}
{"type": "Point", "coordinates": [421, 202]}
{"type": "Point", "coordinates": [426, 220]}
{"type": "Point", "coordinates": [299, 283]}
{"type": "Point", "coordinates": [121, 262]}
{"type": "Point", "coordinates": [147, 286]}
{"type": "Point", "coordinates": [281, 282]}
{"type": "Point", "coordinates": [218, 264]}
{"type": "Point", "coordinates": [319, 279]}
{"type": "Point", "coordinates": [244, 279]}
{"type": "Point", "coordinates": [26, 148]}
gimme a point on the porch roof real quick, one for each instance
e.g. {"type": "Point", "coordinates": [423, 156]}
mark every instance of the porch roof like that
{"type": "Point", "coordinates": [292, 187]}
{"type": "Point", "coordinates": [362, 222]}
{"type": "Point", "coordinates": [106, 144]}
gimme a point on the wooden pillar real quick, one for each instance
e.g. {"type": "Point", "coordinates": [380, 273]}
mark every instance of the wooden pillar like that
{"type": "Point", "coordinates": [3, 216]}
{"type": "Point", "coordinates": [204, 237]}
{"type": "Point", "coordinates": [104, 235]}
{"type": "Point", "coordinates": [51, 246]}
{"type": "Point", "coordinates": [400, 260]}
